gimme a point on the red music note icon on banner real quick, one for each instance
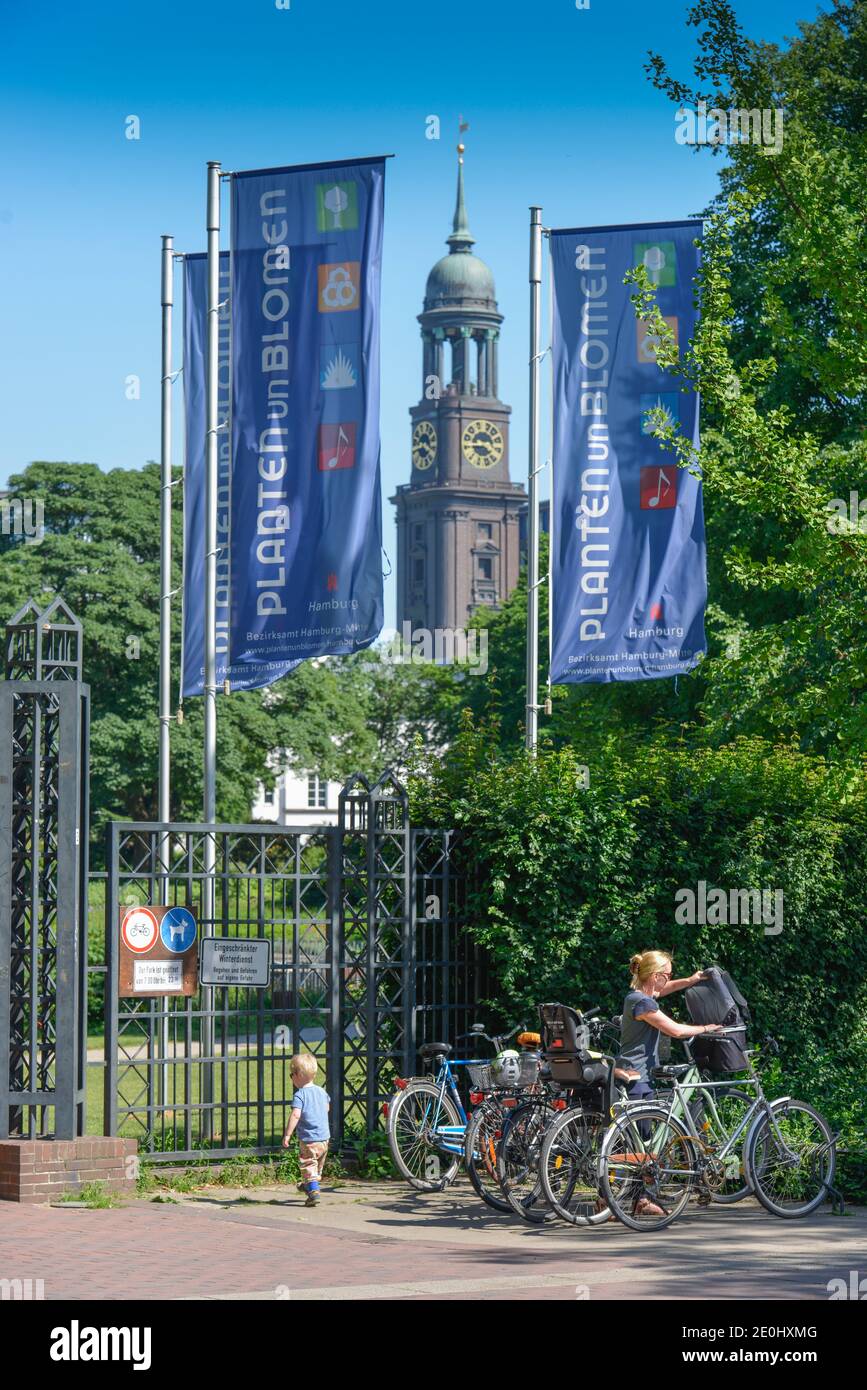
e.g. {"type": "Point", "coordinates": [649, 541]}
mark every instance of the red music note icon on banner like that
{"type": "Point", "coordinates": [336, 447]}
{"type": "Point", "coordinates": [658, 487]}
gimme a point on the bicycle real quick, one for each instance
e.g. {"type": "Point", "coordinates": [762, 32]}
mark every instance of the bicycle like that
{"type": "Point", "coordinates": [569, 1154]}
{"type": "Point", "coordinates": [569, 1158]}
{"type": "Point", "coordinates": [570, 1100]}
{"type": "Point", "coordinates": [653, 1155]}
{"type": "Point", "coordinates": [426, 1117]}
{"type": "Point", "coordinates": [486, 1124]}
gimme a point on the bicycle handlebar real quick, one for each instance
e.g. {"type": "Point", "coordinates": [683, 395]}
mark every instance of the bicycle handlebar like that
{"type": "Point", "coordinates": [497, 1041]}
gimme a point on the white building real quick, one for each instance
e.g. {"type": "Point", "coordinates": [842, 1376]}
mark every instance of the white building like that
{"type": "Point", "coordinates": [298, 798]}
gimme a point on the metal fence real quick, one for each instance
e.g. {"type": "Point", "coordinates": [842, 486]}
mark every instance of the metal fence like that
{"type": "Point", "coordinates": [370, 958]}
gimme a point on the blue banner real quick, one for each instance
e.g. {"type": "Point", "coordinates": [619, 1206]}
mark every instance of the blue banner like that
{"type": "Point", "coordinates": [628, 558]}
{"type": "Point", "coordinates": [306, 524]}
{"type": "Point", "coordinates": [195, 329]}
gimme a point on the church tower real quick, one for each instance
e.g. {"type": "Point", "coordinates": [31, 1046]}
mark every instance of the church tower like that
{"type": "Point", "coordinates": [457, 517]}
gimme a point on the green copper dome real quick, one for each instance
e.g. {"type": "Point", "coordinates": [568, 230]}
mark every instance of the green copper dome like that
{"type": "Point", "coordinates": [460, 276]}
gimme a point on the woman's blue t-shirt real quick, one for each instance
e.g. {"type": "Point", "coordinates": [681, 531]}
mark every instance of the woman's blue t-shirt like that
{"type": "Point", "coordinates": [639, 1042]}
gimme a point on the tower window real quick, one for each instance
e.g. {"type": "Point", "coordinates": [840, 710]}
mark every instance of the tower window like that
{"type": "Point", "coordinates": [486, 531]}
{"type": "Point", "coordinates": [418, 570]}
{"type": "Point", "coordinates": [486, 569]}
{"type": "Point", "coordinates": [418, 533]}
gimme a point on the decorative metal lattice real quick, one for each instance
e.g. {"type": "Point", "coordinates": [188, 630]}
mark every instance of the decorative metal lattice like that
{"type": "Point", "coordinates": [43, 865]}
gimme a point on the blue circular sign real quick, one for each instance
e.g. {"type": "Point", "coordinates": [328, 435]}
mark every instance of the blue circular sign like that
{"type": "Point", "coordinates": [178, 930]}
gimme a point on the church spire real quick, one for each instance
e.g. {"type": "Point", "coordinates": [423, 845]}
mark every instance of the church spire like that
{"type": "Point", "coordinates": [461, 238]}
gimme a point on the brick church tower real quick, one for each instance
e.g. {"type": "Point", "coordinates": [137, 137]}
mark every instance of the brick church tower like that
{"type": "Point", "coordinates": [458, 516]}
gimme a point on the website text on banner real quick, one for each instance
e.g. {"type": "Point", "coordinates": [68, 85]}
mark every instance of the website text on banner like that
{"type": "Point", "coordinates": [629, 565]}
{"type": "Point", "coordinates": [306, 527]}
{"type": "Point", "coordinates": [195, 327]}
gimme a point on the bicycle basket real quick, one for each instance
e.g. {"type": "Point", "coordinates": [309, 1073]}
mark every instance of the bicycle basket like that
{"type": "Point", "coordinates": [482, 1078]}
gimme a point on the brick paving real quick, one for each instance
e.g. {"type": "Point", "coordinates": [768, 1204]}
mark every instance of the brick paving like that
{"type": "Point", "coordinates": [382, 1240]}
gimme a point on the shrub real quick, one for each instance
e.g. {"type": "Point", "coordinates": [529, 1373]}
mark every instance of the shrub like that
{"type": "Point", "coordinates": [569, 881]}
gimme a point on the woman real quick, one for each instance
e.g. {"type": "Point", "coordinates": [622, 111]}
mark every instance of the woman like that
{"type": "Point", "coordinates": [641, 1025]}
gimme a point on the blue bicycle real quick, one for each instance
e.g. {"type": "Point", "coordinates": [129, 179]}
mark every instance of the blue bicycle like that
{"type": "Point", "coordinates": [427, 1121]}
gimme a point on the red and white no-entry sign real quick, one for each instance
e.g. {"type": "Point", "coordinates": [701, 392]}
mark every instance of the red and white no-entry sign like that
{"type": "Point", "coordinates": [139, 929]}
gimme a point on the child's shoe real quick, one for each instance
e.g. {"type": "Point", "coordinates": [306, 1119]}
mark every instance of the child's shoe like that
{"type": "Point", "coordinates": [302, 1187]}
{"type": "Point", "coordinates": [312, 1195]}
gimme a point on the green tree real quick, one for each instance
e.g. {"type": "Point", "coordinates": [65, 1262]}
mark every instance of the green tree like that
{"type": "Point", "coordinates": [101, 553]}
{"type": "Point", "coordinates": [792, 296]}
{"type": "Point", "coordinates": [791, 597]}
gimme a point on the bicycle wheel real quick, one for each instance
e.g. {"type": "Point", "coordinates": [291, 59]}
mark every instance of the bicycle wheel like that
{"type": "Point", "coordinates": [647, 1168]}
{"type": "Point", "coordinates": [415, 1116]}
{"type": "Point", "coordinates": [569, 1168]}
{"type": "Point", "coordinates": [518, 1162]}
{"type": "Point", "coordinates": [791, 1158]}
{"type": "Point", "coordinates": [480, 1154]}
{"type": "Point", "coordinates": [726, 1178]}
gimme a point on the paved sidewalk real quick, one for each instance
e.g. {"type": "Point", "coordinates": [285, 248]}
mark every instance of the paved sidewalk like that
{"type": "Point", "coordinates": [385, 1241]}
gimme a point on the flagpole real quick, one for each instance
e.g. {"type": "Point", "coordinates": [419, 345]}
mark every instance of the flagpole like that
{"type": "Point", "coordinates": [165, 750]}
{"type": "Point", "coordinates": [167, 301]}
{"type": "Point", "coordinates": [532, 720]}
{"type": "Point", "coordinates": [210, 634]}
{"type": "Point", "coordinates": [211, 424]}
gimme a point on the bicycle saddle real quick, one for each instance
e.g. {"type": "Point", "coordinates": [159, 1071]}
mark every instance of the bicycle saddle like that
{"type": "Point", "coordinates": [670, 1071]}
{"type": "Point", "coordinates": [435, 1049]}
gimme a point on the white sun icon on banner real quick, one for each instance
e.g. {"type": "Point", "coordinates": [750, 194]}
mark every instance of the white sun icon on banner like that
{"type": "Point", "coordinates": [339, 373]}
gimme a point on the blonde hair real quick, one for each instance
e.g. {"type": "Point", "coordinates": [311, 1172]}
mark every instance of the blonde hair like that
{"type": "Point", "coordinates": [647, 964]}
{"type": "Point", "coordinates": [304, 1064]}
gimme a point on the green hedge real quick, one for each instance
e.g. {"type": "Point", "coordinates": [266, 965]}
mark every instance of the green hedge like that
{"type": "Point", "coordinates": [571, 880]}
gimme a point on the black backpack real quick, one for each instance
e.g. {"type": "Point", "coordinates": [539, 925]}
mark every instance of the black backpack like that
{"type": "Point", "coordinates": [718, 1000]}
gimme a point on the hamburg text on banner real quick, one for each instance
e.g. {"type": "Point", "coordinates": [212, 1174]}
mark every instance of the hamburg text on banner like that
{"type": "Point", "coordinates": [628, 565]}
{"type": "Point", "coordinates": [306, 527]}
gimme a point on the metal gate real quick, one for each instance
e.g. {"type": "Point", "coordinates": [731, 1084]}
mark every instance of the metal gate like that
{"type": "Point", "coordinates": [370, 957]}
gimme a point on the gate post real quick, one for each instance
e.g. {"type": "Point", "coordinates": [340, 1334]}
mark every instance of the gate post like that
{"type": "Point", "coordinates": [390, 938]}
{"type": "Point", "coordinates": [43, 876]}
{"type": "Point", "coordinates": [334, 955]}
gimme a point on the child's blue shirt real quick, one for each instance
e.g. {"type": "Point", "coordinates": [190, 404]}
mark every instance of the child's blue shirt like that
{"type": "Point", "coordinates": [313, 1102]}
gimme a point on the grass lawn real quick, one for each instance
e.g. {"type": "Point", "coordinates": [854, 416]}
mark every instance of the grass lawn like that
{"type": "Point", "coordinates": [238, 1086]}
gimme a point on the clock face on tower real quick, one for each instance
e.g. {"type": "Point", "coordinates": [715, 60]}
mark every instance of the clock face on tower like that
{"type": "Point", "coordinates": [482, 443]}
{"type": "Point", "coordinates": [424, 445]}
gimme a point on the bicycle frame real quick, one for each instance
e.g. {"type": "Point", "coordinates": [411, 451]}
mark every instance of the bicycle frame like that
{"type": "Point", "coordinates": [682, 1091]}
{"type": "Point", "coordinates": [449, 1138]}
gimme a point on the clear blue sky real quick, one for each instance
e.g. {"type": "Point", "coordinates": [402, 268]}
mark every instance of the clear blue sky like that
{"type": "Point", "coordinates": [560, 114]}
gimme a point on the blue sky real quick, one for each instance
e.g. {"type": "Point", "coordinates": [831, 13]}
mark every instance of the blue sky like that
{"type": "Point", "coordinates": [560, 114]}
